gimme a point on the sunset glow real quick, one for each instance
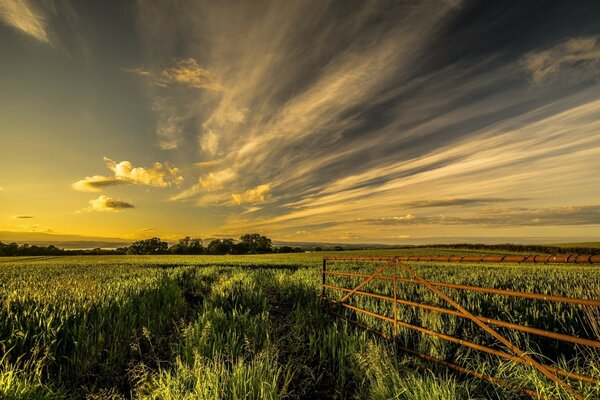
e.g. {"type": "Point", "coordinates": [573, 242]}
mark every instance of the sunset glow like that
{"type": "Point", "coordinates": [307, 121]}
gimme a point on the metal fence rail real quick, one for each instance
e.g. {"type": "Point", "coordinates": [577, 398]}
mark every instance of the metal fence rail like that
{"type": "Point", "coordinates": [553, 259]}
{"type": "Point", "coordinates": [484, 323]}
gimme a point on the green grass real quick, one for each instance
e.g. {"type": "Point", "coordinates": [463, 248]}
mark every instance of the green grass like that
{"type": "Point", "coordinates": [230, 327]}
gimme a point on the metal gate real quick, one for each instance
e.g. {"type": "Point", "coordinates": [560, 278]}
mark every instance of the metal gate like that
{"type": "Point", "coordinates": [410, 276]}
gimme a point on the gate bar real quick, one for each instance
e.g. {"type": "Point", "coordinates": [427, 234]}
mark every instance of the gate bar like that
{"type": "Point", "coordinates": [446, 364]}
{"type": "Point", "coordinates": [495, 334]}
{"type": "Point", "coordinates": [535, 331]}
{"type": "Point", "coordinates": [525, 295]}
{"type": "Point", "coordinates": [498, 353]}
{"type": "Point", "coordinates": [363, 283]}
{"type": "Point", "coordinates": [538, 259]}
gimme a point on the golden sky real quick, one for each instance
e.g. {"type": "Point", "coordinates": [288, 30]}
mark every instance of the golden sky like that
{"type": "Point", "coordinates": [379, 121]}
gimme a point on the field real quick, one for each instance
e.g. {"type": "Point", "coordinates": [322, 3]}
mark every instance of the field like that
{"type": "Point", "coordinates": [213, 327]}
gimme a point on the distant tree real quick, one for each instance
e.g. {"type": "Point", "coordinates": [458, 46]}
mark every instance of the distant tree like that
{"type": "Point", "coordinates": [148, 246]}
{"type": "Point", "coordinates": [317, 249]}
{"type": "Point", "coordinates": [219, 247]}
{"type": "Point", "coordinates": [240, 248]}
{"type": "Point", "coordinates": [10, 249]}
{"type": "Point", "coordinates": [338, 248]}
{"type": "Point", "coordinates": [285, 249]}
{"type": "Point", "coordinates": [256, 243]}
{"type": "Point", "coordinates": [187, 246]}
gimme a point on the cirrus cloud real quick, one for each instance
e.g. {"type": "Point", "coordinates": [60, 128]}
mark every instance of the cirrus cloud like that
{"type": "Point", "coordinates": [582, 52]}
{"type": "Point", "coordinates": [22, 16]}
{"type": "Point", "coordinates": [186, 72]}
{"type": "Point", "coordinates": [173, 91]}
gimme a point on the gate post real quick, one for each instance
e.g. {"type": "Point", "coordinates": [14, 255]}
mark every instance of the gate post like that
{"type": "Point", "coordinates": [395, 301]}
{"type": "Point", "coordinates": [323, 280]}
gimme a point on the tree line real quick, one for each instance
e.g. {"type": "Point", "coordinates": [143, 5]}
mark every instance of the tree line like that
{"type": "Point", "coordinates": [254, 243]}
{"type": "Point", "coordinates": [251, 243]}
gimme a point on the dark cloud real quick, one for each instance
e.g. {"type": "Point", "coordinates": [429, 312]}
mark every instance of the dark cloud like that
{"type": "Point", "coordinates": [24, 216]}
{"type": "Point", "coordinates": [118, 204]}
{"type": "Point", "coordinates": [97, 182]}
{"type": "Point", "coordinates": [105, 203]}
{"type": "Point", "coordinates": [556, 216]}
{"type": "Point", "coordinates": [457, 202]}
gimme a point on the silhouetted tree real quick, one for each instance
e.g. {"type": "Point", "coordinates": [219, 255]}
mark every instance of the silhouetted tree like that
{"type": "Point", "coordinates": [285, 249]}
{"type": "Point", "coordinates": [148, 246]}
{"type": "Point", "coordinates": [256, 243]}
{"type": "Point", "coordinates": [219, 247]}
{"type": "Point", "coordinates": [187, 246]}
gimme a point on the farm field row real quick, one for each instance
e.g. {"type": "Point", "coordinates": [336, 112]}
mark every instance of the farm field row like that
{"type": "Point", "coordinates": [212, 327]}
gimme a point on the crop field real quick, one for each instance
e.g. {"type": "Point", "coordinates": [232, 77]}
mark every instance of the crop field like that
{"type": "Point", "coordinates": [254, 327]}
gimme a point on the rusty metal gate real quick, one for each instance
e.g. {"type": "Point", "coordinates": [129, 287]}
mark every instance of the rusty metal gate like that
{"type": "Point", "coordinates": [516, 354]}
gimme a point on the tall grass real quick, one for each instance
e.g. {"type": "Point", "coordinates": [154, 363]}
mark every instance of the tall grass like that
{"type": "Point", "coordinates": [253, 327]}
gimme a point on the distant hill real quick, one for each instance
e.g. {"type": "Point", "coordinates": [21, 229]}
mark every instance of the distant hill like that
{"type": "Point", "coordinates": [73, 242]}
{"type": "Point", "coordinates": [408, 242]}
{"type": "Point", "coordinates": [62, 241]}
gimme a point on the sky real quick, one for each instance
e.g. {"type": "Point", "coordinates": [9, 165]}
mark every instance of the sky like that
{"type": "Point", "coordinates": [372, 121]}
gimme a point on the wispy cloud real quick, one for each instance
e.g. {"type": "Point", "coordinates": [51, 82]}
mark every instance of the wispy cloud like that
{"type": "Point", "coordinates": [255, 195]}
{"type": "Point", "coordinates": [172, 101]}
{"type": "Point", "coordinates": [583, 53]}
{"type": "Point", "coordinates": [211, 182]}
{"type": "Point", "coordinates": [358, 115]}
{"type": "Point", "coordinates": [105, 203]}
{"type": "Point", "coordinates": [159, 175]}
{"type": "Point", "coordinates": [184, 72]}
{"type": "Point", "coordinates": [24, 216]}
{"type": "Point", "coordinates": [268, 110]}
{"type": "Point", "coordinates": [25, 17]}
{"type": "Point", "coordinates": [488, 166]}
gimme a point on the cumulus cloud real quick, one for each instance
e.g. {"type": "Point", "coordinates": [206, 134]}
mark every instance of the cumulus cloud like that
{"type": "Point", "coordinates": [25, 17]}
{"type": "Point", "coordinates": [259, 194]}
{"type": "Point", "coordinates": [582, 53]}
{"type": "Point", "coordinates": [159, 175]}
{"type": "Point", "coordinates": [105, 203]}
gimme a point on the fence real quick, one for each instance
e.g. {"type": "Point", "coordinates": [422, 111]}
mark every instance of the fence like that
{"type": "Point", "coordinates": [552, 372]}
